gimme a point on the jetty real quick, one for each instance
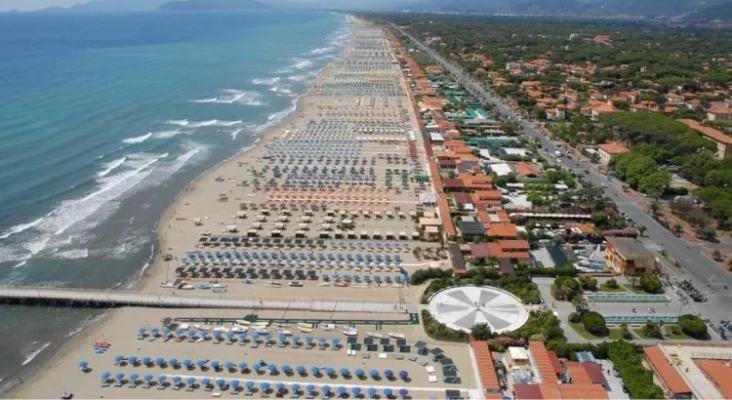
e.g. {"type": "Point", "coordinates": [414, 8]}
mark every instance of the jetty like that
{"type": "Point", "coordinates": [94, 298]}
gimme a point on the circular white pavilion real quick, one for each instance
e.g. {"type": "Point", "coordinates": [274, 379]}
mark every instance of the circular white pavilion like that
{"type": "Point", "coordinates": [462, 307]}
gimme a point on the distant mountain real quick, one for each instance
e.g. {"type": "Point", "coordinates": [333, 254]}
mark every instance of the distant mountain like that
{"type": "Point", "coordinates": [109, 6]}
{"type": "Point", "coordinates": [214, 5]}
{"type": "Point", "coordinates": [717, 12]}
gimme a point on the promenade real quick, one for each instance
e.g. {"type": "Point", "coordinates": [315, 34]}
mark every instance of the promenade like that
{"type": "Point", "coordinates": [110, 298]}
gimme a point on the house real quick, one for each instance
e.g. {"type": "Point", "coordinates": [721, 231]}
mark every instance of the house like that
{"type": "Point", "coordinates": [674, 99]}
{"type": "Point", "coordinates": [720, 113]}
{"type": "Point", "coordinates": [608, 151]}
{"type": "Point", "coordinates": [723, 141]}
{"type": "Point", "coordinates": [503, 231]}
{"type": "Point", "coordinates": [666, 375]}
{"type": "Point", "coordinates": [526, 170]}
{"type": "Point", "coordinates": [554, 114]}
{"type": "Point", "coordinates": [600, 109]}
{"type": "Point", "coordinates": [626, 256]}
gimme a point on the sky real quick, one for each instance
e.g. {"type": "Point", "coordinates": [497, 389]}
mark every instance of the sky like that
{"type": "Point", "coordinates": [25, 5]}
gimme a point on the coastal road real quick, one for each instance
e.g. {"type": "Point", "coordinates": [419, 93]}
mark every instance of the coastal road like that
{"type": "Point", "coordinates": [706, 275]}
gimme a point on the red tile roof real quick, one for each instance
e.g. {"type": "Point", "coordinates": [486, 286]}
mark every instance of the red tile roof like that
{"type": "Point", "coordinates": [594, 372]}
{"type": "Point", "coordinates": [486, 369]}
{"type": "Point", "coordinates": [527, 392]}
{"type": "Point", "coordinates": [718, 373]}
{"type": "Point", "coordinates": [613, 148]}
{"type": "Point", "coordinates": [711, 133]}
{"type": "Point", "coordinates": [665, 371]}
{"type": "Point", "coordinates": [479, 250]}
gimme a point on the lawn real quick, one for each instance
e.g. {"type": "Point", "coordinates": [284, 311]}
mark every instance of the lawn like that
{"type": "Point", "coordinates": [639, 332]}
{"type": "Point", "coordinates": [633, 289]}
{"type": "Point", "coordinates": [615, 335]}
{"type": "Point", "coordinates": [606, 289]}
{"type": "Point", "coordinates": [667, 333]}
{"type": "Point", "coordinates": [577, 326]}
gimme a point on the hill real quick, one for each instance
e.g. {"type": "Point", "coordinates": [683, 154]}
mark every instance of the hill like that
{"type": "Point", "coordinates": [214, 5]}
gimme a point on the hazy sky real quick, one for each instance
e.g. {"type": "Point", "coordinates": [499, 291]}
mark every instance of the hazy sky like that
{"type": "Point", "coordinates": [35, 4]}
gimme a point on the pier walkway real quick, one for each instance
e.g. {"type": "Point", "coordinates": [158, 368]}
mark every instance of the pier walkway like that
{"type": "Point", "coordinates": [113, 298]}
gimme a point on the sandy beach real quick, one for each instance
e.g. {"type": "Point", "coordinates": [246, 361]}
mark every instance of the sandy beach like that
{"type": "Point", "coordinates": [325, 206]}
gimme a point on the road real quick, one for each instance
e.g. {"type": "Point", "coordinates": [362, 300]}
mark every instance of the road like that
{"type": "Point", "coordinates": [706, 275]}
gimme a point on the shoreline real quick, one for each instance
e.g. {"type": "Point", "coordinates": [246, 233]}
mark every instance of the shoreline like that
{"type": "Point", "coordinates": [146, 274]}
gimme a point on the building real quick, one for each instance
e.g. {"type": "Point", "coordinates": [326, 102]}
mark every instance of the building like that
{"type": "Point", "coordinates": [719, 114]}
{"type": "Point", "coordinates": [668, 378]}
{"type": "Point", "coordinates": [723, 141]}
{"type": "Point", "coordinates": [608, 151]}
{"type": "Point", "coordinates": [626, 256]}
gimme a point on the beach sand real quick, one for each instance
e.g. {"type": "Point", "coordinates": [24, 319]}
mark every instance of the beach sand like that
{"type": "Point", "coordinates": [216, 198]}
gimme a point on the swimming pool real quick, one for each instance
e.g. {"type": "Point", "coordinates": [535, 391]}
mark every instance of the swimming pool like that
{"type": "Point", "coordinates": [638, 319]}
{"type": "Point", "coordinates": [627, 298]}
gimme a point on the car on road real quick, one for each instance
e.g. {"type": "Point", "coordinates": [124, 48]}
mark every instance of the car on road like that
{"type": "Point", "coordinates": [587, 171]}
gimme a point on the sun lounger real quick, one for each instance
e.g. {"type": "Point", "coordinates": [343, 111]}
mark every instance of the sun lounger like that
{"type": "Point", "coordinates": [248, 392]}
{"type": "Point", "coordinates": [412, 358]}
{"type": "Point", "coordinates": [432, 378]}
{"type": "Point", "coordinates": [382, 356]}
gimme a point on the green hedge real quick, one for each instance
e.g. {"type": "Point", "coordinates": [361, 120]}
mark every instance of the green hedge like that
{"type": "Point", "coordinates": [439, 331]}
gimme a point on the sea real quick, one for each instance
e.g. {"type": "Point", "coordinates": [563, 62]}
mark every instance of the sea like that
{"type": "Point", "coordinates": [104, 119]}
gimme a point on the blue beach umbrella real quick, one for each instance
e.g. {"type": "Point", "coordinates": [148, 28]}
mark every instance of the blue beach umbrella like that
{"type": "Point", "coordinates": [310, 388]}
{"type": "Point", "coordinates": [295, 387]}
{"type": "Point", "coordinates": [300, 369]}
{"type": "Point", "coordinates": [191, 381]}
{"type": "Point", "coordinates": [106, 376]}
{"type": "Point", "coordinates": [359, 372]}
{"type": "Point", "coordinates": [160, 361]}
{"type": "Point", "coordinates": [177, 379]}
{"type": "Point", "coordinates": [242, 337]}
{"type": "Point", "coordinates": [221, 382]}
{"type": "Point", "coordinates": [188, 362]}
{"type": "Point", "coordinates": [257, 367]}
{"type": "Point", "coordinates": [403, 392]}
{"type": "Point", "coordinates": [265, 386]}
{"type": "Point", "coordinates": [179, 332]}
{"type": "Point", "coordinates": [215, 364]}
{"type": "Point", "coordinates": [403, 374]}
{"type": "Point", "coordinates": [142, 331]}
{"type": "Point", "coordinates": [272, 368]}
{"type": "Point", "coordinates": [119, 358]}
{"type": "Point", "coordinates": [356, 391]}
{"type": "Point", "coordinates": [120, 377]}
{"type": "Point", "coordinates": [345, 372]}
{"type": "Point", "coordinates": [389, 373]}
{"type": "Point", "coordinates": [162, 379]}
{"type": "Point", "coordinates": [132, 360]}
{"type": "Point", "coordinates": [230, 335]}
{"type": "Point", "coordinates": [326, 389]}
{"type": "Point", "coordinates": [235, 383]}
{"type": "Point", "coordinates": [315, 370]}
{"type": "Point", "coordinates": [201, 363]}
{"type": "Point", "coordinates": [309, 339]}
{"type": "Point", "coordinates": [374, 373]}
{"type": "Point", "coordinates": [249, 384]}
{"type": "Point", "coordinates": [341, 390]}
{"type": "Point", "coordinates": [330, 371]}
{"type": "Point", "coordinates": [286, 368]}
{"type": "Point", "coordinates": [134, 378]}
{"type": "Point", "coordinates": [243, 366]}
{"type": "Point", "coordinates": [166, 331]}
{"type": "Point", "coordinates": [322, 339]}
{"type": "Point", "coordinates": [296, 339]}
{"type": "Point", "coordinates": [83, 364]}
{"type": "Point", "coordinates": [147, 360]}
{"type": "Point", "coordinates": [388, 392]}
{"type": "Point", "coordinates": [217, 334]}
{"type": "Point", "coordinates": [155, 331]}
{"type": "Point", "coordinates": [336, 341]}
{"type": "Point", "coordinates": [173, 361]}
{"type": "Point", "coordinates": [280, 386]}
{"type": "Point", "coordinates": [205, 382]}
{"type": "Point", "coordinates": [192, 333]}
{"type": "Point", "coordinates": [229, 365]}
{"type": "Point", "coordinates": [148, 378]}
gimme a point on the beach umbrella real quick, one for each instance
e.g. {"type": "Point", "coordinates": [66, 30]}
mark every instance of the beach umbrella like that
{"type": "Point", "coordinates": [309, 339]}
{"type": "Point", "coordinates": [235, 383]}
{"type": "Point", "coordinates": [330, 371]}
{"type": "Point", "coordinates": [265, 386]}
{"type": "Point", "coordinates": [191, 381]}
{"type": "Point", "coordinates": [243, 366]}
{"type": "Point", "coordinates": [296, 339]}
{"type": "Point", "coordinates": [322, 339]}
{"type": "Point", "coordinates": [155, 331]}
{"type": "Point", "coordinates": [229, 365]}
{"type": "Point", "coordinates": [132, 360]}
{"type": "Point", "coordinates": [173, 361]}
{"type": "Point", "coordinates": [188, 363]}
{"type": "Point", "coordinates": [272, 368]}
{"type": "Point", "coordinates": [106, 376]}
{"type": "Point", "coordinates": [192, 333]}
{"type": "Point", "coordinates": [387, 392]}
{"type": "Point", "coordinates": [242, 337]}
{"type": "Point", "coordinates": [300, 369]}
{"type": "Point", "coordinates": [160, 361]}
{"type": "Point", "coordinates": [230, 335]}
{"type": "Point", "coordinates": [179, 332]}
{"type": "Point", "coordinates": [286, 368]}
{"type": "Point", "coordinates": [215, 364]}
{"type": "Point", "coordinates": [142, 331]}
{"type": "Point", "coordinates": [280, 386]}
{"type": "Point", "coordinates": [249, 384]}
{"type": "Point", "coordinates": [403, 392]}
{"type": "Point", "coordinates": [83, 365]}
{"type": "Point", "coordinates": [326, 389]}
{"type": "Point", "coordinates": [201, 363]}
{"type": "Point", "coordinates": [374, 373]}
{"type": "Point", "coordinates": [356, 391]}
{"type": "Point", "coordinates": [336, 341]}
{"type": "Point", "coordinates": [120, 377]}
{"type": "Point", "coordinates": [341, 390]}
{"type": "Point", "coordinates": [310, 388]}
{"type": "Point", "coordinates": [177, 379]}
{"type": "Point", "coordinates": [166, 331]}
{"type": "Point", "coordinates": [315, 370]}
{"type": "Point", "coordinates": [359, 372]}
{"type": "Point", "coordinates": [255, 337]}
{"type": "Point", "coordinates": [217, 335]}
{"type": "Point", "coordinates": [204, 334]}
{"type": "Point", "coordinates": [345, 372]}
{"type": "Point", "coordinates": [257, 367]}
{"type": "Point", "coordinates": [403, 374]}
{"type": "Point", "coordinates": [148, 378]}
{"type": "Point", "coordinates": [389, 373]}
{"type": "Point", "coordinates": [161, 379]}
{"type": "Point", "coordinates": [119, 358]}
{"type": "Point", "coordinates": [221, 382]}
{"type": "Point", "coordinates": [205, 382]}
{"type": "Point", "coordinates": [134, 378]}
{"type": "Point", "coordinates": [295, 387]}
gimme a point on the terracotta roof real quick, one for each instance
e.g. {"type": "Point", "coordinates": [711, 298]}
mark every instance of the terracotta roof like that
{"type": "Point", "coordinates": [585, 228]}
{"type": "Point", "coordinates": [452, 183]}
{"type": "Point", "coordinates": [479, 250]}
{"type": "Point", "coordinates": [543, 363]}
{"type": "Point", "coordinates": [583, 391]}
{"type": "Point", "coordinates": [711, 133]}
{"type": "Point", "coordinates": [525, 169]}
{"type": "Point", "coordinates": [721, 110]}
{"type": "Point", "coordinates": [594, 372]}
{"type": "Point", "coordinates": [527, 392]}
{"type": "Point", "coordinates": [506, 230]}
{"type": "Point", "coordinates": [550, 391]}
{"type": "Point", "coordinates": [445, 215]}
{"type": "Point", "coordinates": [555, 362]}
{"type": "Point", "coordinates": [486, 369]}
{"type": "Point", "coordinates": [718, 373]}
{"type": "Point", "coordinates": [665, 371]}
{"type": "Point", "coordinates": [578, 373]}
{"type": "Point", "coordinates": [488, 194]}
{"type": "Point", "coordinates": [613, 148]}
{"type": "Point", "coordinates": [513, 244]}
{"type": "Point", "coordinates": [462, 198]}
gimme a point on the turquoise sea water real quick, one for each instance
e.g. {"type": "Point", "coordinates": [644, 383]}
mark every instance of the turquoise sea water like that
{"type": "Point", "coordinates": [105, 118]}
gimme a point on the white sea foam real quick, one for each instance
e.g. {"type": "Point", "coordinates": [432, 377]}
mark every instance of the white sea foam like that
{"type": "Point", "coordinates": [302, 64]}
{"type": "Point", "coordinates": [132, 242]}
{"type": "Point", "coordinates": [20, 228]}
{"type": "Point", "coordinates": [199, 124]}
{"type": "Point", "coordinates": [111, 166]}
{"type": "Point", "coordinates": [266, 81]}
{"type": "Point", "coordinates": [234, 133]}
{"type": "Point", "coordinates": [275, 118]}
{"type": "Point", "coordinates": [235, 96]}
{"type": "Point", "coordinates": [72, 254]}
{"type": "Point", "coordinates": [20, 264]}
{"type": "Point", "coordinates": [306, 77]}
{"type": "Point", "coordinates": [281, 89]}
{"type": "Point", "coordinates": [322, 50]}
{"type": "Point", "coordinates": [137, 139]}
{"type": "Point", "coordinates": [167, 134]}
{"type": "Point", "coordinates": [33, 350]}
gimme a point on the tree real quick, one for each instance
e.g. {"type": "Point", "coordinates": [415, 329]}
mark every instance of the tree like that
{"type": "Point", "coordinates": [565, 288]}
{"type": "Point", "coordinates": [594, 323]}
{"type": "Point", "coordinates": [693, 326]}
{"type": "Point", "coordinates": [625, 332]}
{"type": "Point", "coordinates": [611, 284]}
{"type": "Point", "coordinates": [588, 283]}
{"type": "Point", "coordinates": [650, 283]}
{"type": "Point", "coordinates": [599, 218]}
{"type": "Point", "coordinates": [717, 255]}
{"type": "Point", "coordinates": [481, 331]}
{"type": "Point", "coordinates": [655, 183]}
{"type": "Point", "coordinates": [651, 329]}
{"type": "Point", "coordinates": [706, 233]}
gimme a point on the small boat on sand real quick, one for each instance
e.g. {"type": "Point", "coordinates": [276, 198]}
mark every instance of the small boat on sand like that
{"type": "Point", "coordinates": [262, 331]}
{"type": "Point", "coordinates": [243, 322]}
{"type": "Point", "coordinates": [284, 332]}
{"type": "Point", "coordinates": [166, 284]}
{"type": "Point", "coordinates": [273, 284]}
{"type": "Point", "coordinates": [305, 325]}
{"type": "Point", "coordinates": [330, 327]}
{"type": "Point", "coordinates": [324, 284]}
{"type": "Point", "coordinates": [218, 286]}
{"type": "Point", "coordinates": [304, 330]}
{"type": "Point", "coordinates": [397, 335]}
{"type": "Point", "coordinates": [351, 332]}
{"type": "Point", "coordinates": [374, 335]}
{"type": "Point", "coordinates": [295, 284]}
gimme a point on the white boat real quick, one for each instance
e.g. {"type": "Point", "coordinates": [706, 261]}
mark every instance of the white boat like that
{"type": "Point", "coordinates": [261, 324]}
{"type": "Point", "coordinates": [186, 287]}
{"type": "Point", "coordinates": [351, 332]}
{"type": "Point", "coordinates": [243, 322]}
{"type": "Point", "coordinates": [220, 329]}
{"type": "Point", "coordinates": [295, 284]}
{"type": "Point", "coordinates": [374, 335]}
{"type": "Point", "coordinates": [361, 286]}
{"type": "Point", "coordinates": [166, 284]}
{"type": "Point", "coordinates": [324, 284]}
{"type": "Point", "coordinates": [218, 286]}
{"type": "Point", "coordinates": [283, 325]}
{"type": "Point", "coordinates": [304, 330]}
{"type": "Point", "coordinates": [273, 284]}
{"type": "Point", "coordinates": [263, 331]}
{"type": "Point", "coordinates": [284, 332]}
{"type": "Point", "coordinates": [330, 327]}
{"type": "Point", "coordinates": [185, 327]}
{"type": "Point", "coordinates": [305, 325]}
{"type": "Point", "coordinates": [397, 335]}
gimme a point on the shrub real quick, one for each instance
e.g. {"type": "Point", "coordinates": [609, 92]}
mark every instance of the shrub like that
{"type": "Point", "coordinates": [693, 326]}
{"type": "Point", "coordinates": [611, 284]}
{"type": "Point", "coordinates": [574, 317]}
{"type": "Point", "coordinates": [481, 331]}
{"type": "Point", "coordinates": [421, 276]}
{"type": "Point", "coordinates": [652, 330]}
{"type": "Point", "coordinates": [594, 323]}
{"type": "Point", "coordinates": [565, 288]}
{"type": "Point", "coordinates": [440, 331]}
{"type": "Point", "coordinates": [650, 283]}
{"type": "Point", "coordinates": [674, 330]}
